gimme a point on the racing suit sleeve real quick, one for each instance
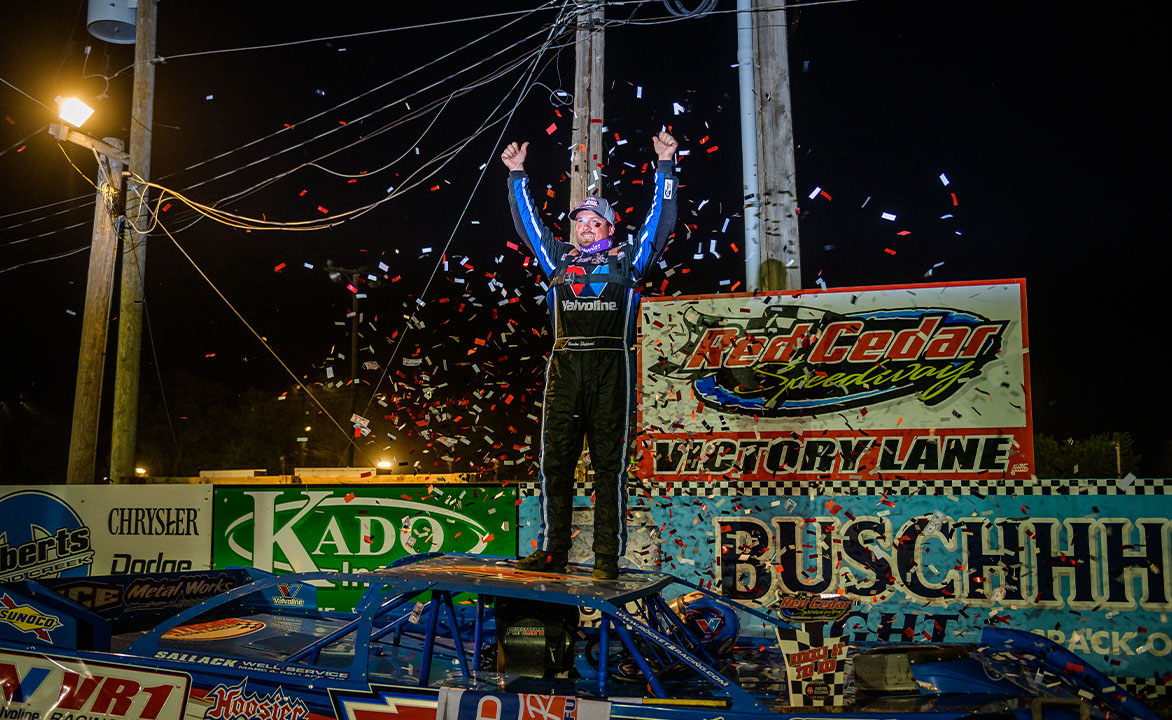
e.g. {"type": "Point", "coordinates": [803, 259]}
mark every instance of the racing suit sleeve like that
{"type": "Point", "coordinates": [529, 225]}
{"type": "Point", "coordinates": [660, 221]}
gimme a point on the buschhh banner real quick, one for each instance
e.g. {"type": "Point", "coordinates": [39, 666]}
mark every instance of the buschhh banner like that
{"type": "Point", "coordinates": [859, 383]}
{"type": "Point", "coordinates": [78, 530]}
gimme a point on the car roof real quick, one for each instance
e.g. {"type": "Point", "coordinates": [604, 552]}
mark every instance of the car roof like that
{"type": "Point", "coordinates": [499, 576]}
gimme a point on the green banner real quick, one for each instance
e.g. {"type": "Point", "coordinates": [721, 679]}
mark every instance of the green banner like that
{"type": "Point", "coordinates": [355, 528]}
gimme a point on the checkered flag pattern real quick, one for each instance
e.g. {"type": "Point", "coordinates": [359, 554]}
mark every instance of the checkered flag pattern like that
{"type": "Point", "coordinates": [815, 664]}
{"type": "Point", "coordinates": [722, 486]}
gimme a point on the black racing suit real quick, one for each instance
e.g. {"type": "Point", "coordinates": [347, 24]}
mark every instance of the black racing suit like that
{"type": "Point", "coordinates": [590, 377]}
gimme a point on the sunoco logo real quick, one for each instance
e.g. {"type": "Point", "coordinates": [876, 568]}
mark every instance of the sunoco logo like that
{"type": "Point", "coordinates": [41, 536]}
{"type": "Point", "coordinates": [294, 535]}
{"type": "Point", "coordinates": [27, 619]}
{"type": "Point", "coordinates": [805, 361]}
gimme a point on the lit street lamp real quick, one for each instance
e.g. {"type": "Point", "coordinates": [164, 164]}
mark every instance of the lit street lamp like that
{"type": "Point", "coordinates": [73, 111]}
{"type": "Point", "coordinates": [87, 394]}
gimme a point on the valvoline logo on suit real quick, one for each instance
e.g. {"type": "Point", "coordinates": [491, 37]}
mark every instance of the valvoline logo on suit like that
{"type": "Point", "coordinates": [585, 289]}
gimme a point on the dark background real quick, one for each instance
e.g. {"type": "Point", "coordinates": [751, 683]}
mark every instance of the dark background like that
{"type": "Point", "coordinates": [1044, 118]}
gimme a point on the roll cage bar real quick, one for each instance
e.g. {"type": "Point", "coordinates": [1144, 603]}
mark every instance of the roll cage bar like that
{"type": "Point", "coordinates": [667, 640]}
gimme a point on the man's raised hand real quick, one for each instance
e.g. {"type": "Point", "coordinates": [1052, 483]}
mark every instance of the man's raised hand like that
{"type": "Point", "coordinates": [514, 156]}
{"type": "Point", "coordinates": [665, 145]}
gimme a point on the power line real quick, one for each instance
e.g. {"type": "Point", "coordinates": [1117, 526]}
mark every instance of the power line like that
{"type": "Point", "coordinates": [322, 113]}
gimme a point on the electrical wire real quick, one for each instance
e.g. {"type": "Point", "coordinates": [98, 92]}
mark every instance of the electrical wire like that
{"type": "Point", "coordinates": [410, 323]}
{"type": "Point", "coordinates": [260, 338]}
{"type": "Point", "coordinates": [30, 97]}
{"type": "Point", "coordinates": [210, 211]}
{"type": "Point", "coordinates": [521, 16]}
{"type": "Point", "coordinates": [345, 36]}
{"type": "Point", "coordinates": [375, 89]}
{"type": "Point", "coordinates": [248, 223]}
{"type": "Point", "coordinates": [676, 7]}
{"type": "Point", "coordinates": [157, 223]}
{"type": "Point", "coordinates": [21, 142]}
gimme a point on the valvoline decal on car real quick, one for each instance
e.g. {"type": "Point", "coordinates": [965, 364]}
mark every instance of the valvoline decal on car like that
{"type": "Point", "coordinates": [802, 361]}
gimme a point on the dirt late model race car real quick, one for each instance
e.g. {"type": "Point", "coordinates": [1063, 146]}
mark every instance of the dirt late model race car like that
{"type": "Point", "coordinates": [468, 636]}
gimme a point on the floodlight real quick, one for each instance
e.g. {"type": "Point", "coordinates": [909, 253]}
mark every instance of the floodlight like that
{"type": "Point", "coordinates": [73, 111]}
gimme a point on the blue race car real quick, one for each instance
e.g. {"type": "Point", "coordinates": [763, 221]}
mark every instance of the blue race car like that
{"type": "Point", "coordinates": [471, 637]}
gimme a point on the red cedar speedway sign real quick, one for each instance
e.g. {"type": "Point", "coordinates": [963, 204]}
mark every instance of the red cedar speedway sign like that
{"type": "Point", "coordinates": [860, 383]}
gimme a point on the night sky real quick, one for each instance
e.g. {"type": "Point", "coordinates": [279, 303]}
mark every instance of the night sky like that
{"type": "Point", "coordinates": [1043, 118]}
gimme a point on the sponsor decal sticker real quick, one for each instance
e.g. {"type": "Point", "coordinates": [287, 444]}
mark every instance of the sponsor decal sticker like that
{"type": "Point", "coordinates": [28, 619]}
{"type": "Point", "coordinates": [214, 630]}
{"type": "Point", "coordinates": [288, 595]}
{"type": "Point", "coordinates": [384, 702]}
{"type": "Point", "coordinates": [50, 687]}
{"type": "Point", "coordinates": [813, 608]}
{"type": "Point", "coordinates": [236, 703]}
{"type": "Point", "coordinates": [455, 704]}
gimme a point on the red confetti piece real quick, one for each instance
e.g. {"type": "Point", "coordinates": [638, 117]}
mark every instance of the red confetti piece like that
{"type": "Point", "coordinates": [435, 188]}
{"type": "Point", "coordinates": [349, 497]}
{"type": "Point", "coordinates": [954, 202]}
{"type": "Point", "coordinates": [166, 207]}
{"type": "Point", "coordinates": [21, 148]}
{"type": "Point", "coordinates": [279, 268]}
{"type": "Point", "coordinates": [889, 251]}
{"type": "Point", "coordinates": [322, 209]}
{"type": "Point", "coordinates": [302, 193]}
{"type": "Point", "coordinates": [552, 127]}
{"type": "Point", "coordinates": [904, 232]}
{"type": "Point", "coordinates": [712, 149]}
{"type": "Point", "coordinates": [825, 194]}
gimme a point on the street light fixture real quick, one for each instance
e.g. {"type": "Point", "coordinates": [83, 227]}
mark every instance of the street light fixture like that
{"type": "Point", "coordinates": [73, 111]}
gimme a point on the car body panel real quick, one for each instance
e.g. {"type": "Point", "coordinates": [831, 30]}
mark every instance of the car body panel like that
{"type": "Point", "coordinates": [449, 636]}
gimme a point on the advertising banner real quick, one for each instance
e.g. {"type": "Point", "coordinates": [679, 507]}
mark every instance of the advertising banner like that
{"type": "Point", "coordinates": [78, 530]}
{"type": "Point", "coordinates": [860, 383]}
{"type": "Point", "coordinates": [1091, 572]}
{"type": "Point", "coordinates": [358, 528]}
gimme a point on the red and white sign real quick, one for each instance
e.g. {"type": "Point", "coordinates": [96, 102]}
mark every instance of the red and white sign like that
{"type": "Point", "coordinates": [853, 383]}
{"type": "Point", "coordinates": [51, 686]}
{"type": "Point", "coordinates": [458, 704]}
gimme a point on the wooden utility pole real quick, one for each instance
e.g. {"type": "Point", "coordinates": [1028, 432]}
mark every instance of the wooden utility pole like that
{"type": "Point", "coordinates": [95, 322]}
{"type": "Point", "coordinates": [129, 359]}
{"type": "Point", "coordinates": [585, 178]}
{"type": "Point", "coordinates": [781, 266]}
